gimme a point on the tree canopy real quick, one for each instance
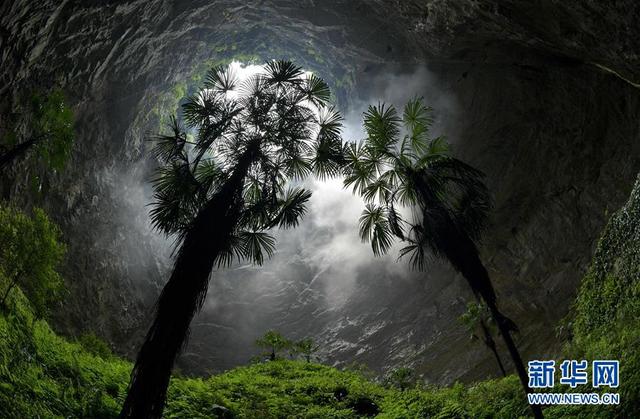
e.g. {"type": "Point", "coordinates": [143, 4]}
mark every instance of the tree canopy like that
{"type": "Point", "coordinates": [48, 127]}
{"type": "Point", "coordinates": [283, 113]}
{"type": "Point", "coordinates": [400, 166]}
{"type": "Point", "coordinates": [30, 256]}
{"type": "Point", "coordinates": [274, 342]}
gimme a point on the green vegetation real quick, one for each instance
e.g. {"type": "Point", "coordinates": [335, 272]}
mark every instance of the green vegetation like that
{"type": "Point", "coordinates": [48, 129]}
{"type": "Point", "coordinates": [53, 120]}
{"type": "Point", "coordinates": [29, 258]}
{"type": "Point", "coordinates": [43, 375]}
{"type": "Point", "coordinates": [478, 321]}
{"type": "Point", "coordinates": [273, 342]}
{"type": "Point", "coordinates": [306, 347]}
{"type": "Point", "coordinates": [606, 318]}
{"type": "Point", "coordinates": [401, 378]}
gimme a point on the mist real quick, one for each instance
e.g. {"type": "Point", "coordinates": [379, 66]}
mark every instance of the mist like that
{"type": "Point", "coordinates": [306, 288]}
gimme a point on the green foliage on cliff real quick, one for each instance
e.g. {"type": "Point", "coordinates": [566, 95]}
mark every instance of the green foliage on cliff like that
{"type": "Point", "coordinates": [44, 124]}
{"type": "Point", "coordinates": [606, 320]}
{"type": "Point", "coordinates": [30, 254]}
{"type": "Point", "coordinates": [44, 375]}
{"type": "Point", "coordinates": [53, 119]}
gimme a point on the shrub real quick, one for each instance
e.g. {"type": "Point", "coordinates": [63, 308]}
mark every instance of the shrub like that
{"type": "Point", "coordinates": [29, 257]}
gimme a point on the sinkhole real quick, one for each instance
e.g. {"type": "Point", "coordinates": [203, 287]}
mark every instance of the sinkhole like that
{"type": "Point", "coordinates": [525, 101]}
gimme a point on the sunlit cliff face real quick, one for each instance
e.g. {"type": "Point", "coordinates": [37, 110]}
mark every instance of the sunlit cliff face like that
{"type": "Point", "coordinates": [520, 92]}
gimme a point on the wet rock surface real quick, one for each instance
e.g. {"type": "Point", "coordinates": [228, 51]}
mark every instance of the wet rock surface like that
{"type": "Point", "coordinates": [546, 103]}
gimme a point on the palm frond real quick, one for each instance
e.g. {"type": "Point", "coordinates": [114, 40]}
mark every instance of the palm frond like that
{"type": "Point", "coordinates": [234, 249]}
{"type": "Point", "coordinates": [357, 169]}
{"type": "Point", "coordinates": [382, 126]}
{"type": "Point", "coordinates": [177, 192]}
{"type": "Point", "coordinates": [327, 157]}
{"type": "Point", "coordinates": [406, 193]}
{"type": "Point", "coordinates": [396, 222]}
{"type": "Point", "coordinates": [417, 118]}
{"type": "Point", "coordinates": [316, 90]}
{"type": "Point", "coordinates": [282, 72]}
{"type": "Point", "coordinates": [200, 108]}
{"type": "Point", "coordinates": [221, 79]}
{"type": "Point", "coordinates": [254, 90]}
{"type": "Point", "coordinates": [170, 213]}
{"type": "Point", "coordinates": [214, 130]}
{"type": "Point", "coordinates": [256, 215]}
{"type": "Point", "coordinates": [298, 166]}
{"type": "Point", "coordinates": [417, 256]}
{"type": "Point", "coordinates": [176, 177]}
{"type": "Point", "coordinates": [255, 245]}
{"type": "Point", "coordinates": [170, 147]}
{"type": "Point", "coordinates": [330, 122]}
{"type": "Point", "coordinates": [209, 175]}
{"type": "Point", "coordinates": [292, 207]}
{"type": "Point", "coordinates": [374, 227]}
{"type": "Point", "coordinates": [461, 190]}
{"type": "Point", "coordinates": [378, 189]}
{"type": "Point", "coordinates": [438, 147]}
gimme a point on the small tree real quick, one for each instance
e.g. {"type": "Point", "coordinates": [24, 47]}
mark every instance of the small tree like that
{"type": "Point", "coordinates": [401, 378]}
{"type": "Point", "coordinates": [50, 132]}
{"type": "Point", "coordinates": [479, 323]}
{"type": "Point", "coordinates": [274, 342]}
{"type": "Point", "coordinates": [29, 257]}
{"type": "Point", "coordinates": [307, 348]}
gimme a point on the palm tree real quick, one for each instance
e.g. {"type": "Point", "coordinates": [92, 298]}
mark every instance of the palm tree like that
{"type": "Point", "coordinates": [446, 200]}
{"type": "Point", "coordinates": [477, 317]}
{"type": "Point", "coordinates": [221, 187]}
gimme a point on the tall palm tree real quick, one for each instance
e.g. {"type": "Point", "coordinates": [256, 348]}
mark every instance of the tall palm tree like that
{"type": "Point", "coordinates": [399, 166]}
{"type": "Point", "coordinates": [221, 187]}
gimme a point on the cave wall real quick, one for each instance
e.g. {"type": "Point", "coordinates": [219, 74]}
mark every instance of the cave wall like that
{"type": "Point", "coordinates": [548, 107]}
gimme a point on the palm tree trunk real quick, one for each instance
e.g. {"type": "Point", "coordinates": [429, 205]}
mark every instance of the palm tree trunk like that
{"type": "Point", "coordinates": [462, 253]}
{"type": "Point", "coordinates": [183, 296]}
{"type": "Point", "coordinates": [505, 331]}
{"type": "Point", "coordinates": [18, 151]}
{"type": "Point", "coordinates": [490, 343]}
{"type": "Point", "coordinates": [460, 250]}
